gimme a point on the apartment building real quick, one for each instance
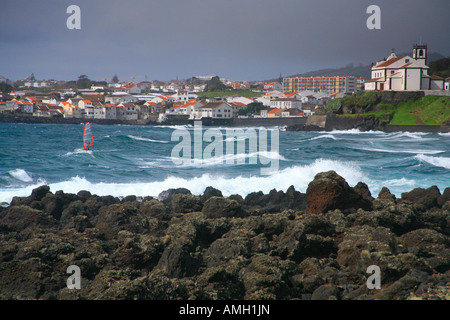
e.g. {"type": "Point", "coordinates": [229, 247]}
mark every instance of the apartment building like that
{"type": "Point", "coordinates": [326, 85]}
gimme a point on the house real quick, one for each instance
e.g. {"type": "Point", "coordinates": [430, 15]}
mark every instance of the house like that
{"type": "Point", "coordinates": [130, 88]}
{"type": "Point", "coordinates": [265, 101]}
{"type": "Point", "coordinates": [293, 112]}
{"type": "Point", "coordinates": [23, 106]}
{"type": "Point", "coordinates": [274, 113]}
{"type": "Point", "coordinates": [309, 109]}
{"type": "Point", "coordinates": [47, 110]}
{"type": "Point", "coordinates": [238, 99]}
{"type": "Point", "coordinates": [271, 86]}
{"type": "Point", "coordinates": [71, 110]}
{"type": "Point", "coordinates": [240, 86]}
{"type": "Point", "coordinates": [182, 96]}
{"type": "Point", "coordinates": [286, 103]}
{"type": "Point", "coordinates": [215, 110]}
{"type": "Point", "coordinates": [87, 108]}
{"type": "Point", "coordinates": [163, 98]}
{"type": "Point", "coordinates": [120, 98]}
{"type": "Point", "coordinates": [105, 111]}
{"type": "Point", "coordinates": [274, 95]}
{"type": "Point", "coordinates": [128, 111]}
{"type": "Point", "coordinates": [404, 73]}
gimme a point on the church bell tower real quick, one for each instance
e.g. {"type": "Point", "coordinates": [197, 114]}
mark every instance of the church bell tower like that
{"type": "Point", "coordinates": [420, 53]}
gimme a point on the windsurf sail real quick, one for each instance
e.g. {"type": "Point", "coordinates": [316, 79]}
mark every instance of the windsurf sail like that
{"type": "Point", "coordinates": [88, 138]}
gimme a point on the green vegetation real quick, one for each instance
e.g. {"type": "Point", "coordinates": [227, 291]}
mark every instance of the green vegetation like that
{"type": "Point", "coordinates": [440, 68]}
{"type": "Point", "coordinates": [251, 108]}
{"type": "Point", "coordinates": [430, 110]}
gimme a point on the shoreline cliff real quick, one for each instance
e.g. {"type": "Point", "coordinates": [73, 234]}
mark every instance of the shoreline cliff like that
{"type": "Point", "coordinates": [284, 245]}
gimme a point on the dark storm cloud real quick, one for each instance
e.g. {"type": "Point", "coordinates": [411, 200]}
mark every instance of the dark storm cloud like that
{"type": "Point", "coordinates": [245, 39]}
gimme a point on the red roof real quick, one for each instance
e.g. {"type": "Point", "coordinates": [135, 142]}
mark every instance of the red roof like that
{"type": "Point", "coordinates": [389, 62]}
{"type": "Point", "coordinates": [275, 110]}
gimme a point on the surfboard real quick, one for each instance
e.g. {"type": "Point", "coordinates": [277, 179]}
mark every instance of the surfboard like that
{"type": "Point", "coordinates": [88, 138]}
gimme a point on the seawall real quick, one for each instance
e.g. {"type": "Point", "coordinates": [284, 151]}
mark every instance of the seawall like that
{"type": "Point", "coordinates": [330, 122]}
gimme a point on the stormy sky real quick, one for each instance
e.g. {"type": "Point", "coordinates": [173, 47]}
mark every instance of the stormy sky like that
{"type": "Point", "coordinates": [236, 39]}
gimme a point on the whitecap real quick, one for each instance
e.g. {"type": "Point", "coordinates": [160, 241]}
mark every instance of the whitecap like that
{"type": "Point", "coordinates": [78, 151]}
{"type": "Point", "coordinates": [443, 162]}
{"type": "Point", "coordinates": [146, 139]}
{"type": "Point", "coordinates": [326, 136]}
{"type": "Point", "coordinates": [411, 151]}
{"type": "Point", "coordinates": [21, 175]}
{"type": "Point", "coordinates": [298, 176]}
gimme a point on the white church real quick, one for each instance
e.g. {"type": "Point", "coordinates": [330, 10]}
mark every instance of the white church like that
{"type": "Point", "coordinates": [405, 73]}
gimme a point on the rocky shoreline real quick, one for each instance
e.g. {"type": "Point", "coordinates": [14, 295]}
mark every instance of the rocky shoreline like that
{"type": "Point", "coordinates": [284, 245]}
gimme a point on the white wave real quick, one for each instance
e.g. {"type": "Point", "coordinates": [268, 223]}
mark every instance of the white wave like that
{"type": "Point", "coordinates": [78, 151]}
{"type": "Point", "coordinates": [446, 134]}
{"type": "Point", "coordinates": [408, 135]}
{"type": "Point", "coordinates": [146, 139]}
{"type": "Point", "coordinates": [187, 126]}
{"type": "Point", "coordinates": [355, 131]}
{"type": "Point", "coordinates": [326, 136]}
{"type": "Point", "coordinates": [21, 175]}
{"type": "Point", "coordinates": [443, 162]}
{"type": "Point", "coordinates": [298, 176]}
{"type": "Point", "coordinates": [411, 151]}
{"type": "Point", "coordinates": [236, 138]}
{"type": "Point", "coordinates": [227, 159]}
{"type": "Point", "coordinates": [399, 183]}
{"type": "Point", "coordinates": [350, 131]}
{"type": "Point", "coordinates": [6, 195]}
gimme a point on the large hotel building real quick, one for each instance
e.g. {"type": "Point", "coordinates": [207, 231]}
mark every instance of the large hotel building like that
{"type": "Point", "coordinates": [327, 85]}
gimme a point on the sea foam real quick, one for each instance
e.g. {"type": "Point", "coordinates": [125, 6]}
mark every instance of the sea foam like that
{"type": "Point", "coordinates": [21, 175]}
{"type": "Point", "coordinates": [298, 176]}
{"type": "Point", "coordinates": [443, 162]}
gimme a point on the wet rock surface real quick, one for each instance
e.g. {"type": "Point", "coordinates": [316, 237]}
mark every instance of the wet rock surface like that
{"type": "Point", "coordinates": [282, 245]}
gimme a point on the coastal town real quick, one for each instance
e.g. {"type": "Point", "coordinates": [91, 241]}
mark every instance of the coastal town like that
{"type": "Point", "coordinates": [156, 101]}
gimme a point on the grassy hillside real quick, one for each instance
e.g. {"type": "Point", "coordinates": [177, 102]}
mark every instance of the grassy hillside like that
{"type": "Point", "coordinates": [430, 110]}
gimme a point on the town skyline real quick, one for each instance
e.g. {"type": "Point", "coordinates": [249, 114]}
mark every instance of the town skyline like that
{"type": "Point", "coordinates": [247, 41]}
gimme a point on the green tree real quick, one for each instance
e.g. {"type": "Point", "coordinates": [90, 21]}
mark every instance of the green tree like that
{"type": "Point", "coordinates": [440, 67]}
{"type": "Point", "coordinates": [251, 108]}
{"type": "Point", "coordinates": [115, 79]}
{"type": "Point", "coordinates": [83, 82]}
{"type": "Point", "coordinates": [215, 85]}
{"type": "Point", "coordinates": [5, 87]}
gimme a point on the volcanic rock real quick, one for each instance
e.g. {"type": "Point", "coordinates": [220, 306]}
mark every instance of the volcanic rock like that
{"type": "Point", "coordinates": [329, 191]}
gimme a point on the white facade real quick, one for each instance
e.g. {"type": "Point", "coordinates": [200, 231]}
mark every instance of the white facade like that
{"type": "Point", "coordinates": [120, 98]}
{"type": "Point", "coordinates": [404, 73]}
{"type": "Point", "coordinates": [286, 103]}
{"type": "Point", "coordinates": [243, 100]}
{"type": "Point", "coordinates": [127, 111]}
{"type": "Point", "coordinates": [215, 110]}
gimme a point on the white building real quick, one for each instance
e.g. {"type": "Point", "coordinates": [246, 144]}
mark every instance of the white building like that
{"type": "Point", "coordinates": [120, 98]}
{"type": "Point", "coordinates": [182, 95]}
{"type": "Point", "coordinates": [271, 86]}
{"type": "Point", "coordinates": [237, 99]}
{"type": "Point", "coordinates": [286, 103]}
{"type": "Point", "coordinates": [215, 110]}
{"type": "Point", "coordinates": [404, 73]}
{"type": "Point", "coordinates": [127, 111]}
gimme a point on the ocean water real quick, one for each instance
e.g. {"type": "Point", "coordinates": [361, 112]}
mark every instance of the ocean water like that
{"type": "Point", "coordinates": [140, 160]}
